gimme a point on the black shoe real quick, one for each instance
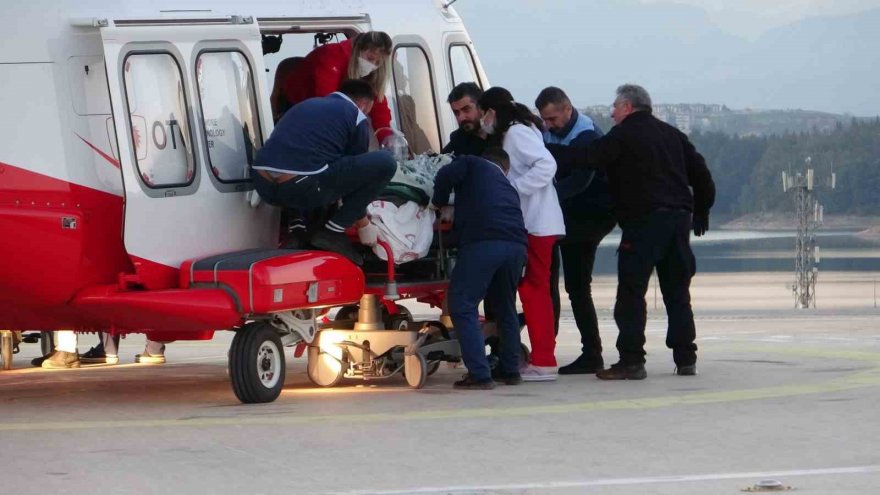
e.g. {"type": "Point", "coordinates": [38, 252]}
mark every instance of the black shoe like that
{"type": "Point", "coordinates": [622, 371]}
{"type": "Point", "coordinates": [336, 242]}
{"type": "Point", "coordinates": [689, 370]}
{"type": "Point", "coordinates": [584, 365]}
{"type": "Point", "coordinates": [96, 355]}
{"type": "Point", "coordinates": [468, 383]}
{"type": "Point", "coordinates": [38, 362]}
{"type": "Point", "coordinates": [297, 237]}
{"type": "Point", "coordinates": [294, 243]}
{"type": "Point", "coordinates": [506, 378]}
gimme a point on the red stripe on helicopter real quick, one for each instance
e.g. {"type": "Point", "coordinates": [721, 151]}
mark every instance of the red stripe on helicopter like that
{"type": "Point", "coordinates": [61, 237]}
{"type": "Point", "coordinates": [105, 156]}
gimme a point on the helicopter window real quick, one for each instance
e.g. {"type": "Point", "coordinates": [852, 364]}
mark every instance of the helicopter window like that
{"type": "Point", "coordinates": [229, 112]}
{"type": "Point", "coordinates": [157, 109]}
{"type": "Point", "coordinates": [462, 65]}
{"type": "Point", "coordinates": [414, 89]}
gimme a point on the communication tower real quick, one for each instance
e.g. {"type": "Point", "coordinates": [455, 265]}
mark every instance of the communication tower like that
{"type": "Point", "coordinates": [810, 214]}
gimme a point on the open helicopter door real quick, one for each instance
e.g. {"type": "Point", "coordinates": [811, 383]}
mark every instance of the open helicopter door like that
{"type": "Point", "coordinates": [190, 109]}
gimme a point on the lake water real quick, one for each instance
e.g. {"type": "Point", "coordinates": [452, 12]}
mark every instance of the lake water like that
{"type": "Point", "coordinates": [762, 251]}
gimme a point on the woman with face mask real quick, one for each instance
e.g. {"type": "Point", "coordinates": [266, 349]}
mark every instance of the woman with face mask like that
{"type": "Point", "coordinates": [365, 56]}
{"type": "Point", "coordinates": [532, 169]}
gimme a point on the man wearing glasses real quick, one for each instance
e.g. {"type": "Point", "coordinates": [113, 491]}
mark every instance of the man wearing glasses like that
{"type": "Point", "coordinates": [651, 167]}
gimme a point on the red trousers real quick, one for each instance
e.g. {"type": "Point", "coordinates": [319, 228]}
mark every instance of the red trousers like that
{"type": "Point", "coordinates": [534, 291]}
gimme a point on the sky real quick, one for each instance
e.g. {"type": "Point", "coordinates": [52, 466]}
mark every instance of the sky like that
{"type": "Point", "coordinates": [761, 54]}
{"type": "Point", "coordinates": [751, 18]}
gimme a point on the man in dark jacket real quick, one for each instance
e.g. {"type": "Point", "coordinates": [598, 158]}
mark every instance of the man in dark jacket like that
{"type": "Point", "coordinates": [651, 167]}
{"type": "Point", "coordinates": [318, 154]}
{"type": "Point", "coordinates": [586, 209]}
{"type": "Point", "coordinates": [469, 138]}
{"type": "Point", "coordinates": [492, 241]}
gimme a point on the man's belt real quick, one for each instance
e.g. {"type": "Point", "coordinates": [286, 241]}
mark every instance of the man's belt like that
{"type": "Point", "coordinates": [278, 179]}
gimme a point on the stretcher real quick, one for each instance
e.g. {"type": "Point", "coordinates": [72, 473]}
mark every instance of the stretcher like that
{"type": "Point", "coordinates": [379, 338]}
{"type": "Point", "coordinates": [282, 298]}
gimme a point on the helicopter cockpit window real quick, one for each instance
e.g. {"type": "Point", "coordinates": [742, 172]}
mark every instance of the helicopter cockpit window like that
{"type": "Point", "coordinates": [229, 111]}
{"type": "Point", "coordinates": [462, 65]}
{"type": "Point", "coordinates": [157, 109]}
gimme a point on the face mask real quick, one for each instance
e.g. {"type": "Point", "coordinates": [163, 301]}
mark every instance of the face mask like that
{"type": "Point", "coordinates": [487, 128]}
{"type": "Point", "coordinates": [365, 67]}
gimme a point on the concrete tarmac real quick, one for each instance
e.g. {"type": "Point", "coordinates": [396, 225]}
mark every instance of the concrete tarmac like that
{"type": "Point", "coordinates": [787, 395]}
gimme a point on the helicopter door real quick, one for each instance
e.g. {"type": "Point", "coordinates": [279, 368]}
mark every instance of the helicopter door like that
{"type": "Point", "coordinates": [190, 108]}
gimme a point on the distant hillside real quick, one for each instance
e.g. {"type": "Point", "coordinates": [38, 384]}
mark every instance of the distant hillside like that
{"type": "Point", "coordinates": [716, 118]}
{"type": "Point", "coordinates": [748, 169]}
{"type": "Point", "coordinates": [770, 122]}
{"type": "Point", "coordinates": [678, 53]}
{"type": "Point", "coordinates": [747, 164]}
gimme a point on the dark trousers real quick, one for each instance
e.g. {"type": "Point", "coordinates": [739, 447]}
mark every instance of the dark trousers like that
{"type": "Point", "coordinates": [577, 254]}
{"type": "Point", "coordinates": [357, 180]}
{"type": "Point", "coordinates": [490, 270]}
{"type": "Point", "coordinates": [659, 239]}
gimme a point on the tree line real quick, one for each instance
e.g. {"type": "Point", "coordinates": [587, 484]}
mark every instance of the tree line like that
{"type": "Point", "coordinates": [748, 169]}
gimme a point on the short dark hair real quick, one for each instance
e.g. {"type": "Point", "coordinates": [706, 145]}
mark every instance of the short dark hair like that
{"type": "Point", "coordinates": [357, 89]}
{"type": "Point", "coordinates": [551, 94]}
{"type": "Point", "coordinates": [465, 89]}
{"type": "Point", "coordinates": [498, 156]}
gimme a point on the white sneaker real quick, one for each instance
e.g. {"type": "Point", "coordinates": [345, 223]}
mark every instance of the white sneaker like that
{"type": "Point", "coordinates": [532, 373]}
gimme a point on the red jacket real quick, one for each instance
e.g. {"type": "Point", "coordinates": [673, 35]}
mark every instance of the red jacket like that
{"type": "Point", "coordinates": [321, 73]}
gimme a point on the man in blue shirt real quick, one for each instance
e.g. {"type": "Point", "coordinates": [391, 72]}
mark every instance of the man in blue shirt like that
{"type": "Point", "coordinates": [492, 240]}
{"type": "Point", "coordinates": [318, 154]}
{"type": "Point", "coordinates": [586, 208]}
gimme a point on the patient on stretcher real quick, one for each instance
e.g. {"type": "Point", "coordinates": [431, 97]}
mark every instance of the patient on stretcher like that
{"type": "Point", "coordinates": [400, 215]}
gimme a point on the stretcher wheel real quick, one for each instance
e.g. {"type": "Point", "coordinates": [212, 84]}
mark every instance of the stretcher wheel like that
{"type": "Point", "coordinates": [399, 321]}
{"type": "Point", "coordinates": [256, 364]}
{"type": "Point", "coordinates": [346, 313]}
{"type": "Point", "coordinates": [415, 369]}
{"type": "Point", "coordinates": [324, 368]}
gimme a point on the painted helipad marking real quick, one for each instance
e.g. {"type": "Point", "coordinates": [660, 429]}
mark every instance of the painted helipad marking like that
{"type": "Point", "coordinates": [648, 480]}
{"type": "Point", "coordinates": [860, 379]}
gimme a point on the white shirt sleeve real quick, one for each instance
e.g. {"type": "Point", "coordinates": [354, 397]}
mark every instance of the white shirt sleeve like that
{"type": "Point", "coordinates": [526, 146]}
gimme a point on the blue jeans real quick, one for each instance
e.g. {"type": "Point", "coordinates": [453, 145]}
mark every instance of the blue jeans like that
{"type": "Point", "coordinates": [357, 180]}
{"type": "Point", "coordinates": [489, 269]}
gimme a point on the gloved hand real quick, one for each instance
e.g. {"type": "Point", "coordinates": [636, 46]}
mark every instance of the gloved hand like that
{"type": "Point", "coordinates": [701, 224]}
{"type": "Point", "coordinates": [447, 213]}
{"type": "Point", "coordinates": [368, 235]}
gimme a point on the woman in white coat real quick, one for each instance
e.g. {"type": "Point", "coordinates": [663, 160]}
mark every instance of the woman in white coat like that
{"type": "Point", "coordinates": [532, 170]}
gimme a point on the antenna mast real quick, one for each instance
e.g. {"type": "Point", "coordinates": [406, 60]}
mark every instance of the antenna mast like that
{"type": "Point", "coordinates": [810, 215]}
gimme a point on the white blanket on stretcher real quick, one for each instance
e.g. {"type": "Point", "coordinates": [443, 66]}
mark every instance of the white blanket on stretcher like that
{"type": "Point", "coordinates": [408, 229]}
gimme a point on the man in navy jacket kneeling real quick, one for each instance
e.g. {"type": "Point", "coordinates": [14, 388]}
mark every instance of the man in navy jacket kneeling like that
{"type": "Point", "coordinates": [319, 154]}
